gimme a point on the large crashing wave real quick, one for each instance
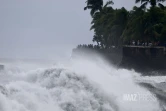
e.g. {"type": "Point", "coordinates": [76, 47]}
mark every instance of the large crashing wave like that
{"type": "Point", "coordinates": [82, 86]}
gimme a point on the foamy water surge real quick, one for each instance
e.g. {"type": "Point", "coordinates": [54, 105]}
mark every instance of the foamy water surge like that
{"type": "Point", "coordinates": [81, 85]}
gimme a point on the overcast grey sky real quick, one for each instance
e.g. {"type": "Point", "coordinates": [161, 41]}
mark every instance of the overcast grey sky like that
{"type": "Point", "coordinates": [45, 28]}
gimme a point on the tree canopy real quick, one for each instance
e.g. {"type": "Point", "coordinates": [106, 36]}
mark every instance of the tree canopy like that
{"type": "Point", "coordinates": [153, 3]}
{"type": "Point", "coordinates": [115, 27]}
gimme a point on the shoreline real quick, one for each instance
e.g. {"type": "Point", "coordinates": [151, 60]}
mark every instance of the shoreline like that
{"type": "Point", "coordinates": [149, 61]}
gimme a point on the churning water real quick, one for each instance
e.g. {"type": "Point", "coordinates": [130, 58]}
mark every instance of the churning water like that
{"type": "Point", "coordinates": [79, 85]}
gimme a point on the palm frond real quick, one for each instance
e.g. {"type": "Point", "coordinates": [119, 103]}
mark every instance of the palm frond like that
{"type": "Point", "coordinates": [143, 6]}
{"type": "Point", "coordinates": [88, 7]}
{"type": "Point", "coordinates": [92, 12]}
{"type": "Point", "coordinates": [85, 8]}
{"type": "Point", "coordinates": [142, 1]}
{"type": "Point", "coordinates": [110, 2]}
{"type": "Point", "coordinates": [161, 5]}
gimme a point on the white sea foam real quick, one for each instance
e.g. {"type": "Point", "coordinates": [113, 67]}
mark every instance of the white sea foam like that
{"type": "Point", "coordinates": [80, 85]}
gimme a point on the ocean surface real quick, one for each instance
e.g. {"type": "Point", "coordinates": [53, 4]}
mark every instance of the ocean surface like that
{"type": "Point", "coordinates": [78, 84]}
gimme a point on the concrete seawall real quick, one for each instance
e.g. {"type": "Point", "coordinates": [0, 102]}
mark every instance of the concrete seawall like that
{"type": "Point", "coordinates": [140, 58]}
{"type": "Point", "coordinates": [144, 58]}
{"type": "Point", "coordinates": [113, 56]}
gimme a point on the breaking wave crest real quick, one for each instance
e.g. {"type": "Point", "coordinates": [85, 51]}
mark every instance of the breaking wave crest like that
{"type": "Point", "coordinates": [82, 85]}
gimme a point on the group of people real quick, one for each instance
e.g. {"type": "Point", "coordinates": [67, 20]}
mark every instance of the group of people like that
{"type": "Point", "coordinates": [145, 43]}
{"type": "Point", "coordinates": [131, 43]}
{"type": "Point", "coordinates": [89, 46]}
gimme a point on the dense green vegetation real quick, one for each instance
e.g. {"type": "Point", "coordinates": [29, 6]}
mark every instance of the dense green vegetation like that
{"type": "Point", "coordinates": [115, 27]}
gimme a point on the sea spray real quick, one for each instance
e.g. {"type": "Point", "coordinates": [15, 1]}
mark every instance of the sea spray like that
{"type": "Point", "coordinates": [80, 85]}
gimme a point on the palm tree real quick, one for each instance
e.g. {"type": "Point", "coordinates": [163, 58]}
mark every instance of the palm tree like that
{"type": "Point", "coordinates": [96, 5]}
{"type": "Point", "coordinates": [153, 3]}
{"type": "Point", "coordinates": [134, 28]}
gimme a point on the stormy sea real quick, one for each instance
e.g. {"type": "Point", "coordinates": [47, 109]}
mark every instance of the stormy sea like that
{"type": "Point", "coordinates": [80, 84]}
